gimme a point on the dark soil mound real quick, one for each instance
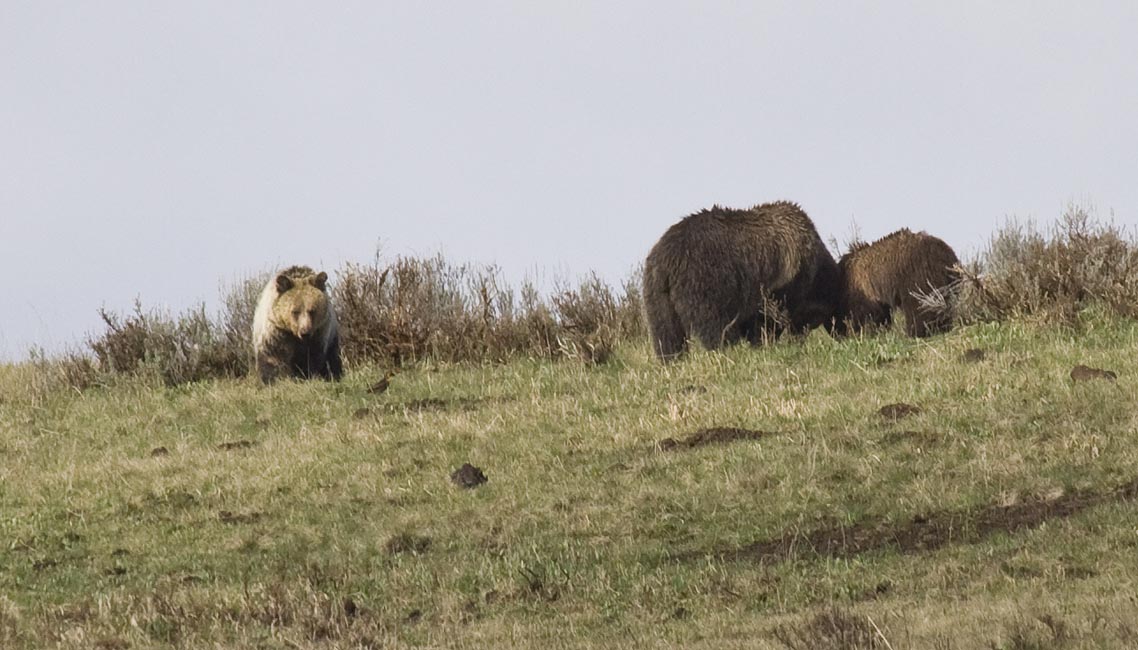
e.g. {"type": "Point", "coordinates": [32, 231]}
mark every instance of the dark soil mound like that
{"type": "Point", "coordinates": [436, 405]}
{"type": "Point", "coordinates": [468, 476]}
{"type": "Point", "coordinates": [973, 355]}
{"type": "Point", "coordinates": [229, 517]}
{"type": "Point", "coordinates": [1086, 373]}
{"type": "Point", "coordinates": [235, 444]}
{"type": "Point", "coordinates": [715, 435]}
{"type": "Point", "coordinates": [898, 411]}
{"type": "Point", "coordinates": [914, 437]}
{"type": "Point", "coordinates": [408, 543]}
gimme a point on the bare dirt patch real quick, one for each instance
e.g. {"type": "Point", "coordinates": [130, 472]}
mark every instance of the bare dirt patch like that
{"type": "Point", "coordinates": [924, 532]}
{"type": "Point", "coordinates": [234, 445]}
{"type": "Point", "coordinates": [714, 435]}
{"type": "Point", "coordinates": [112, 643]}
{"type": "Point", "coordinates": [229, 517]}
{"type": "Point", "coordinates": [898, 411]}
{"type": "Point", "coordinates": [426, 404]}
{"type": "Point", "coordinates": [914, 437]}
{"type": "Point", "coordinates": [468, 476]}
{"type": "Point", "coordinates": [407, 543]}
{"type": "Point", "coordinates": [973, 355]}
{"type": "Point", "coordinates": [1086, 373]}
{"type": "Point", "coordinates": [436, 405]}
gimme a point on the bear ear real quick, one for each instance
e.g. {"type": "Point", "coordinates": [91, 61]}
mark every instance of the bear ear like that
{"type": "Point", "coordinates": [284, 283]}
{"type": "Point", "coordinates": [320, 281]}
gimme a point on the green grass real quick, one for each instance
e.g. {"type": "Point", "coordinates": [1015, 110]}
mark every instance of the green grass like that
{"type": "Point", "coordinates": [996, 517]}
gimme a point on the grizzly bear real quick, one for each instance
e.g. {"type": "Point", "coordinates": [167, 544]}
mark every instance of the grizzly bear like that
{"type": "Point", "coordinates": [892, 273]}
{"type": "Point", "coordinates": [723, 275]}
{"type": "Point", "coordinates": [295, 333]}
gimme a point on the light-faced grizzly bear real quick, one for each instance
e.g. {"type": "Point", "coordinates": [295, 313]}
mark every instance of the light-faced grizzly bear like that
{"type": "Point", "coordinates": [885, 275]}
{"type": "Point", "coordinates": [715, 275]}
{"type": "Point", "coordinates": [295, 333]}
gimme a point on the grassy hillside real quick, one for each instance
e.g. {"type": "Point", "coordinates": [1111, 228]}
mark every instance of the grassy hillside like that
{"type": "Point", "coordinates": [312, 515]}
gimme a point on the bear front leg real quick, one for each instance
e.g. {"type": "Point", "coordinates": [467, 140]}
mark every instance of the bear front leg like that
{"type": "Point", "coordinates": [268, 368]}
{"type": "Point", "coordinates": [335, 365]}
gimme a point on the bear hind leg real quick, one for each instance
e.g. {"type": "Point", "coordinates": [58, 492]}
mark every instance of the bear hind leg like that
{"type": "Point", "coordinates": [716, 330]}
{"type": "Point", "coordinates": [669, 339]}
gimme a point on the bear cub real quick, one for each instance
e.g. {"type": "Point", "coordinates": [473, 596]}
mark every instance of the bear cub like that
{"type": "Point", "coordinates": [889, 275]}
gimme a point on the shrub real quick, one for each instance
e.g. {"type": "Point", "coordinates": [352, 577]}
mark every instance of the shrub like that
{"type": "Point", "coordinates": [403, 312]}
{"type": "Point", "coordinates": [1027, 274]}
{"type": "Point", "coordinates": [390, 314]}
{"type": "Point", "coordinates": [413, 309]}
{"type": "Point", "coordinates": [239, 301]}
{"type": "Point", "coordinates": [72, 370]}
{"type": "Point", "coordinates": [589, 319]}
{"type": "Point", "coordinates": [178, 350]}
{"type": "Point", "coordinates": [189, 347]}
{"type": "Point", "coordinates": [631, 306]}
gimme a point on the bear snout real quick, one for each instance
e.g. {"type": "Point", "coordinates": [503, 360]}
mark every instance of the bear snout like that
{"type": "Point", "coordinates": [303, 327]}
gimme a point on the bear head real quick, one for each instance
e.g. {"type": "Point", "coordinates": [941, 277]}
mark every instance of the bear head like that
{"type": "Point", "coordinates": [302, 305]}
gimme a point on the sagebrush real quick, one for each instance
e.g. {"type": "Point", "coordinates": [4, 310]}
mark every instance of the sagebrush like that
{"type": "Point", "coordinates": [1052, 276]}
{"type": "Point", "coordinates": [407, 310]}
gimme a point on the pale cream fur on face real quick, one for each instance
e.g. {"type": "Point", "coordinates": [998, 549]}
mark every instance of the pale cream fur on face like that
{"type": "Point", "coordinates": [302, 309]}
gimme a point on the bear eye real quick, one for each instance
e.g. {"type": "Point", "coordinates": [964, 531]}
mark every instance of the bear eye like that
{"type": "Point", "coordinates": [296, 312]}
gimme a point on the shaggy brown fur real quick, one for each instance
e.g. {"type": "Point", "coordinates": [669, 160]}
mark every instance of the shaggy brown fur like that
{"type": "Point", "coordinates": [715, 275]}
{"type": "Point", "coordinates": [295, 333]}
{"type": "Point", "coordinates": [880, 277]}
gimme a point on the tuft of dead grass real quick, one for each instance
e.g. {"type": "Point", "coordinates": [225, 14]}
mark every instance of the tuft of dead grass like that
{"type": "Point", "coordinates": [832, 629]}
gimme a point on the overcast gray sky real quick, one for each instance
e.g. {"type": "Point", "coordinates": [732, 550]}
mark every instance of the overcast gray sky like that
{"type": "Point", "coordinates": [158, 149]}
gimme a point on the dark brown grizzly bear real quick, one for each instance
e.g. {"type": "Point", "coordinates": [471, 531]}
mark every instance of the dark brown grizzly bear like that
{"type": "Point", "coordinates": [889, 274]}
{"type": "Point", "coordinates": [295, 332]}
{"type": "Point", "coordinates": [714, 274]}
